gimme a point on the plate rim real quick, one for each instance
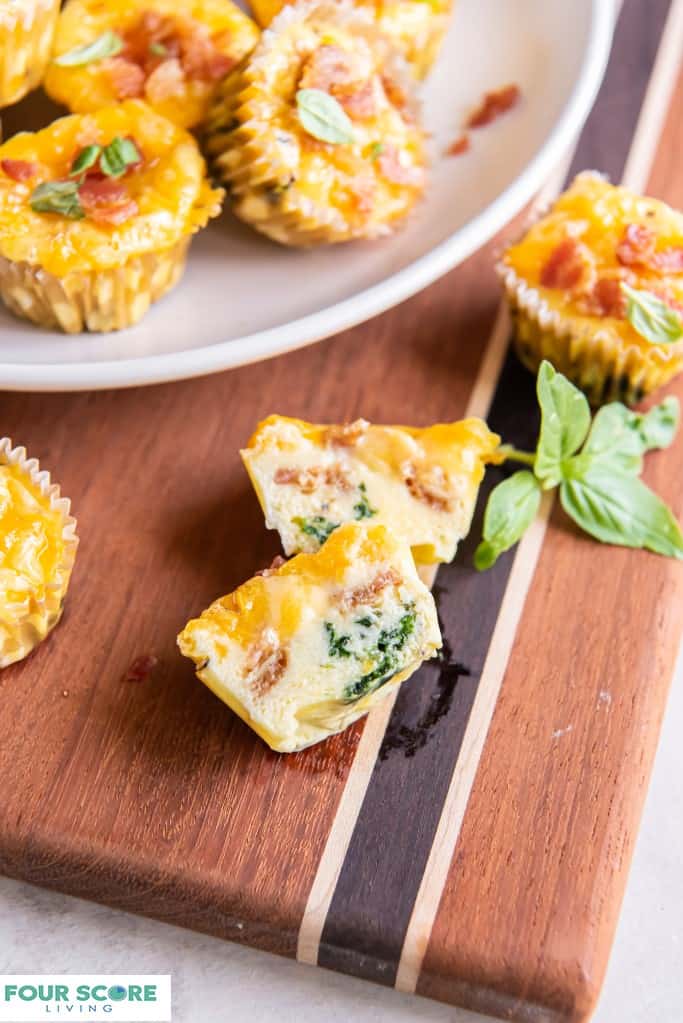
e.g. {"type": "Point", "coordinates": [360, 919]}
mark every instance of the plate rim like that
{"type": "Point", "coordinates": [364, 305]}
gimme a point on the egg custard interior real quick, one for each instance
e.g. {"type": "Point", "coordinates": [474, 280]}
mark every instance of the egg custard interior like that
{"type": "Point", "coordinates": [32, 546]}
{"type": "Point", "coordinates": [303, 650]}
{"type": "Point", "coordinates": [169, 52]}
{"type": "Point", "coordinates": [595, 238]}
{"type": "Point", "coordinates": [90, 191]}
{"type": "Point", "coordinates": [298, 185]}
{"type": "Point", "coordinates": [421, 483]}
{"type": "Point", "coordinates": [416, 28]}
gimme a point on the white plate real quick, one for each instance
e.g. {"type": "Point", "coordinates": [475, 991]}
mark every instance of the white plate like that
{"type": "Point", "coordinates": [244, 299]}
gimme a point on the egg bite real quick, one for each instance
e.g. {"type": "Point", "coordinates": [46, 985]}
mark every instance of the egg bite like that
{"type": "Point", "coordinates": [420, 483]}
{"type": "Point", "coordinates": [37, 550]}
{"type": "Point", "coordinates": [301, 651]}
{"type": "Point", "coordinates": [26, 31]}
{"type": "Point", "coordinates": [316, 134]}
{"type": "Point", "coordinates": [415, 28]}
{"type": "Point", "coordinates": [96, 215]}
{"type": "Point", "coordinates": [170, 53]}
{"type": "Point", "coordinates": [585, 280]}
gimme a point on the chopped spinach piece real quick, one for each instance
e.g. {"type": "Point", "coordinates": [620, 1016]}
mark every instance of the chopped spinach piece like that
{"type": "Point", "coordinates": [363, 510]}
{"type": "Point", "coordinates": [366, 621]}
{"type": "Point", "coordinates": [318, 527]}
{"type": "Point", "coordinates": [390, 642]}
{"type": "Point", "coordinates": [336, 643]}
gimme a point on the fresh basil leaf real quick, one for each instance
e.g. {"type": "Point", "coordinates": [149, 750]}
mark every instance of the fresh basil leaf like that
{"type": "Point", "coordinates": [376, 150]}
{"type": "Point", "coordinates": [158, 49]}
{"type": "Point", "coordinates": [613, 440]}
{"type": "Point", "coordinates": [565, 419]}
{"type": "Point", "coordinates": [621, 510]}
{"type": "Point", "coordinates": [87, 158]}
{"type": "Point", "coordinates": [323, 117]}
{"type": "Point", "coordinates": [118, 156]}
{"type": "Point", "coordinates": [651, 318]}
{"type": "Point", "coordinates": [511, 508]}
{"type": "Point", "coordinates": [57, 197]}
{"type": "Point", "coordinates": [657, 428]}
{"type": "Point", "coordinates": [106, 45]}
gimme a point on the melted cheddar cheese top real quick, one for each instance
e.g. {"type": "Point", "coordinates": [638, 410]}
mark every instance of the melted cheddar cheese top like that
{"type": "Point", "coordinates": [170, 191]}
{"type": "Point", "coordinates": [596, 236]}
{"type": "Point", "coordinates": [173, 54]}
{"type": "Point", "coordinates": [31, 545]}
{"type": "Point", "coordinates": [421, 483]}
{"type": "Point", "coordinates": [303, 650]}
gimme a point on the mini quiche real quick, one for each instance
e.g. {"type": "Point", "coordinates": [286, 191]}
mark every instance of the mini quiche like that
{"type": "Point", "coordinates": [37, 550]}
{"type": "Point", "coordinates": [171, 53]}
{"type": "Point", "coordinates": [315, 134]}
{"type": "Point", "coordinates": [303, 650]}
{"type": "Point", "coordinates": [421, 483]}
{"type": "Point", "coordinates": [96, 215]}
{"type": "Point", "coordinates": [415, 27]}
{"type": "Point", "coordinates": [26, 31]}
{"type": "Point", "coordinates": [596, 287]}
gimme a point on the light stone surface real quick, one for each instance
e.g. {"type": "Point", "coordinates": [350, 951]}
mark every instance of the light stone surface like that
{"type": "Point", "coordinates": [216, 982]}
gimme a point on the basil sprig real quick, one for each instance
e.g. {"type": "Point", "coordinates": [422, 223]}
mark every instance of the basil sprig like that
{"type": "Point", "coordinates": [57, 197]}
{"type": "Point", "coordinates": [118, 156]}
{"type": "Point", "coordinates": [323, 117]}
{"type": "Point", "coordinates": [653, 319]}
{"type": "Point", "coordinates": [86, 159]}
{"type": "Point", "coordinates": [596, 465]}
{"type": "Point", "coordinates": [106, 45]}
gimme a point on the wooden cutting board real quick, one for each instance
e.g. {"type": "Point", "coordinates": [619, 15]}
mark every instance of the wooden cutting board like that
{"type": "Point", "coordinates": [471, 841]}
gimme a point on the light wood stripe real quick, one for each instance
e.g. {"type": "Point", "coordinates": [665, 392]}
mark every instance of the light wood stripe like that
{"type": "Point", "coordinates": [639, 163]}
{"type": "Point", "coordinates": [359, 775]}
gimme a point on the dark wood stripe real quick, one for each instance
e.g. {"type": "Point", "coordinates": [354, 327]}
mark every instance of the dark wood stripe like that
{"type": "Point", "coordinates": [371, 906]}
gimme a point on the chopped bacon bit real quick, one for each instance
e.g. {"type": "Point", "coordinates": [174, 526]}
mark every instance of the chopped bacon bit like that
{"type": "Point", "coordinates": [565, 266]}
{"type": "Point", "coordinates": [606, 298]}
{"type": "Point", "coordinates": [19, 170]}
{"type": "Point", "coordinates": [106, 201]}
{"type": "Point", "coordinates": [668, 261]}
{"type": "Point", "coordinates": [167, 80]}
{"type": "Point", "coordinates": [307, 480]}
{"type": "Point", "coordinates": [343, 75]}
{"type": "Point", "coordinates": [358, 103]}
{"type": "Point", "coordinates": [350, 599]}
{"type": "Point", "coordinates": [396, 95]}
{"type": "Point", "coordinates": [268, 661]}
{"type": "Point", "coordinates": [346, 435]}
{"type": "Point", "coordinates": [430, 486]}
{"type": "Point", "coordinates": [277, 562]}
{"type": "Point", "coordinates": [362, 192]}
{"type": "Point", "coordinates": [461, 145]}
{"type": "Point", "coordinates": [493, 105]}
{"type": "Point", "coordinates": [637, 245]}
{"type": "Point", "coordinates": [127, 78]}
{"type": "Point", "coordinates": [397, 172]}
{"type": "Point", "coordinates": [201, 60]}
{"type": "Point", "coordinates": [141, 668]}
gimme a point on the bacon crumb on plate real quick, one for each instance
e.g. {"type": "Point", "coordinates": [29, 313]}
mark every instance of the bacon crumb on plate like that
{"type": "Point", "coordinates": [141, 668]}
{"type": "Point", "coordinates": [493, 105]}
{"type": "Point", "coordinates": [461, 145]}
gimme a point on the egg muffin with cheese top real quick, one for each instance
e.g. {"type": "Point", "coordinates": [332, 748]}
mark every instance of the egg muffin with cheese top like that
{"type": "Point", "coordinates": [415, 27]}
{"type": "Point", "coordinates": [171, 53]}
{"type": "Point", "coordinates": [420, 483]}
{"type": "Point", "coordinates": [26, 31]}
{"type": "Point", "coordinates": [96, 215]}
{"type": "Point", "coordinates": [303, 650]}
{"type": "Point", "coordinates": [315, 135]}
{"type": "Point", "coordinates": [596, 287]}
{"type": "Point", "coordinates": [37, 550]}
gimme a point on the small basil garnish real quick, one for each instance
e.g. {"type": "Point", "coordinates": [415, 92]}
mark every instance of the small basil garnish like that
{"type": "Point", "coordinates": [651, 318]}
{"type": "Point", "coordinates": [106, 45]}
{"type": "Point", "coordinates": [118, 156]}
{"type": "Point", "coordinates": [57, 197]}
{"type": "Point", "coordinates": [323, 117]}
{"type": "Point", "coordinates": [86, 159]}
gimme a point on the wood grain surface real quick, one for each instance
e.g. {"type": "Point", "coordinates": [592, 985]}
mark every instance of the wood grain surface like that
{"type": "Point", "coordinates": [151, 796]}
